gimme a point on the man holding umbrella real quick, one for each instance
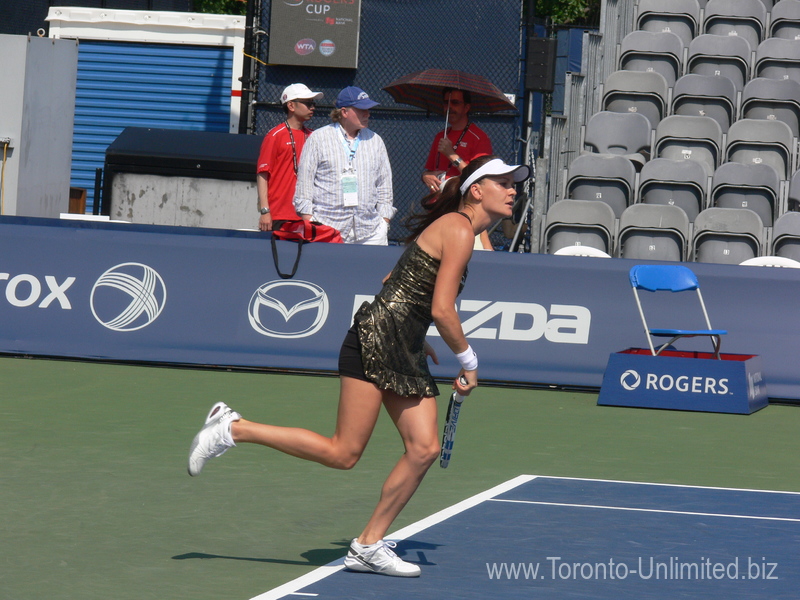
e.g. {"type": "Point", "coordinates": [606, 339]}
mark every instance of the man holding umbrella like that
{"type": "Point", "coordinates": [454, 147]}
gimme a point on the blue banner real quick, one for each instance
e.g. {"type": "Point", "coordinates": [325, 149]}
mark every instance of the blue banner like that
{"type": "Point", "coordinates": [212, 297]}
{"type": "Point", "coordinates": [731, 383]}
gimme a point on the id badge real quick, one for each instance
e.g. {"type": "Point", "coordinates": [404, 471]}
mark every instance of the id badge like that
{"type": "Point", "coordinates": [350, 189]}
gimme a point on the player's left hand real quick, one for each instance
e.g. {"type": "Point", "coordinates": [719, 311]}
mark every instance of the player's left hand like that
{"type": "Point", "coordinates": [429, 351]}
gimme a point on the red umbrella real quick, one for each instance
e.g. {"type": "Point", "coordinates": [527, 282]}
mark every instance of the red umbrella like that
{"type": "Point", "coordinates": [424, 89]}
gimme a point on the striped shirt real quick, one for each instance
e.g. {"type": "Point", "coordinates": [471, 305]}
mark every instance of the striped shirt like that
{"type": "Point", "coordinates": [319, 182]}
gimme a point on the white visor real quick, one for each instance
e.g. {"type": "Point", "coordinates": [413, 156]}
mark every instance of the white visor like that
{"type": "Point", "coordinates": [497, 167]}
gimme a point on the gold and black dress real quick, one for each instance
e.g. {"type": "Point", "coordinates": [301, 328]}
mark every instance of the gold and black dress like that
{"type": "Point", "coordinates": [392, 328]}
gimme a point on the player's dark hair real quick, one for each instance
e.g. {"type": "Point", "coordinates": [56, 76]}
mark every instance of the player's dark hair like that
{"type": "Point", "coordinates": [444, 201]}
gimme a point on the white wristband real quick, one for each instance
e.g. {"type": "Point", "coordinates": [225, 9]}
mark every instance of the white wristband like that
{"type": "Point", "coordinates": [468, 359]}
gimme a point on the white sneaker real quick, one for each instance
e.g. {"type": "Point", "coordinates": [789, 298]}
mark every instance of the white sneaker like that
{"type": "Point", "coordinates": [378, 558]}
{"type": "Point", "coordinates": [213, 439]}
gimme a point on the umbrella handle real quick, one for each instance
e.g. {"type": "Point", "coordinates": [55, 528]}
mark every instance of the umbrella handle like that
{"type": "Point", "coordinates": [446, 121]}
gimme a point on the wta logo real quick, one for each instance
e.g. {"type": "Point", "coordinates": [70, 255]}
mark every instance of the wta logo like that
{"type": "Point", "coordinates": [128, 297]}
{"type": "Point", "coordinates": [630, 380]}
{"type": "Point", "coordinates": [288, 309]}
{"type": "Point", "coordinates": [305, 46]}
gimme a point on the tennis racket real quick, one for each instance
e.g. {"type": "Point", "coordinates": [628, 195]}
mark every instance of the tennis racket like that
{"type": "Point", "coordinates": [450, 424]}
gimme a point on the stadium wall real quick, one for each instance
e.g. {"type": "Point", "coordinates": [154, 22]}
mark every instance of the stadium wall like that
{"type": "Point", "coordinates": [178, 295]}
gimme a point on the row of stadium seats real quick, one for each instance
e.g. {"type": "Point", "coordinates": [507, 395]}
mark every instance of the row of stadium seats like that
{"type": "Point", "coordinates": [641, 86]}
{"type": "Point", "coordinates": [752, 20]}
{"type": "Point", "coordinates": [683, 183]}
{"type": "Point", "coordinates": [699, 139]}
{"type": "Point", "coordinates": [731, 56]}
{"type": "Point", "coordinates": [713, 96]}
{"type": "Point", "coordinates": [664, 233]}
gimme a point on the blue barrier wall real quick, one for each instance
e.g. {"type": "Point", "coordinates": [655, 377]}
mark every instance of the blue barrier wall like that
{"type": "Point", "coordinates": [212, 297]}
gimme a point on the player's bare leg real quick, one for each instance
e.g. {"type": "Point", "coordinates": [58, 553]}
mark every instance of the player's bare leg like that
{"type": "Point", "coordinates": [359, 406]}
{"type": "Point", "coordinates": [416, 420]}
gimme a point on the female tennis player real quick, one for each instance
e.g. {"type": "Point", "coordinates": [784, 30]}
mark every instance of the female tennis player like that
{"type": "Point", "coordinates": [383, 360]}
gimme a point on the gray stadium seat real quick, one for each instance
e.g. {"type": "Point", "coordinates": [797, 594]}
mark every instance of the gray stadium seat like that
{"type": "Point", "coordinates": [689, 138]}
{"type": "Point", "coordinates": [578, 223]}
{"type": "Point", "coordinates": [756, 187]}
{"type": "Point", "coordinates": [794, 192]}
{"type": "Point", "coordinates": [742, 18]}
{"type": "Point", "coordinates": [653, 232]}
{"type": "Point", "coordinates": [777, 58]}
{"type": "Point", "coordinates": [635, 91]}
{"type": "Point", "coordinates": [757, 141]}
{"type": "Point", "coordinates": [727, 236]}
{"type": "Point", "coordinates": [625, 134]}
{"type": "Point", "coordinates": [705, 96]}
{"type": "Point", "coordinates": [786, 236]}
{"type": "Point", "coordinates": [681, 17]}
{"type": "Point", "coordinates": [602, 177]}
{"type": "Point", "coordinates": [785, 20]}
{"type": "Point", "coordinates": [774, 99]}
{"type": "Point", "coordinates": [661, 52]}
{"type": "Point", "coordinates": [674, 182]}
{"type": "Point", "coordinates": [728, 56]}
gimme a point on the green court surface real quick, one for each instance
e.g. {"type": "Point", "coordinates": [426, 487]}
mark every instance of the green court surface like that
{"type": "Point", "coordinates": [97, 503]}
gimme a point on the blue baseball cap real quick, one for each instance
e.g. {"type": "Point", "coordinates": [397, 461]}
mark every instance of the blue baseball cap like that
{"type": "Point", "coordinates": [353, 96]}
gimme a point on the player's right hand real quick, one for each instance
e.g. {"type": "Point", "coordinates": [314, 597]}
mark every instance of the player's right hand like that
{"type": "Point", "coordinates": [471, 377]}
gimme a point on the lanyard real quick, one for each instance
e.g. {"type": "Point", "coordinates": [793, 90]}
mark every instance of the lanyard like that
{"type": "Point", "coordinates": [458, 141]}
{"type": "Point", "coordinates": [294, 149]}
{"type": "Point", "coordinates": [349, 148]}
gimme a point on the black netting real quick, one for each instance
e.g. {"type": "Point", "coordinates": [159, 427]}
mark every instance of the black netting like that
{"type": "Point", "coordinates": [399, 37]}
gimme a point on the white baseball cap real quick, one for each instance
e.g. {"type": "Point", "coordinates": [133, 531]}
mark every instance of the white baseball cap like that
{"type": "Point", "coordinates": [298, 91]}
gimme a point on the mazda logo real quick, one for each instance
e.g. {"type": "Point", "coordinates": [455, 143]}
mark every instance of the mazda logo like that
{"type": "Point", "coordinates": [630, 380]}
{"type": "Point", "coordinates": [288, 309]}
{"type": "Point", "coordinates": [128, 297]}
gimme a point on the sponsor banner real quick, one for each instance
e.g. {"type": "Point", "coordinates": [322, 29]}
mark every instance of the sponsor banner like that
{"type": "Point", "coordinates": [676, 381]}
{"type": "Point", "coordinates": [213, 297]}
{"type": "Point", "coordinates": [315, 33]}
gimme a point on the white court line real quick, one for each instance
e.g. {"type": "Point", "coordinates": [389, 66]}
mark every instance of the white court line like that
{"type": "Point", "coordinates": [650, 510]}
{"type": "Point", "coordinates": [677, 485]}
{"type": "Point", "coordinates": [290, 588]}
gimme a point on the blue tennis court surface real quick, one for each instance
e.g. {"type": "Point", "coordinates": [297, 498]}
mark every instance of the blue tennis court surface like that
{"type": "Point", "coordinates": [549, 537]}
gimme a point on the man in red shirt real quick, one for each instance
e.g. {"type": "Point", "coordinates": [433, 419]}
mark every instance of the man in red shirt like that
{"type": "Point", "coordinates": [464, 141]}
{"type": "Point", "coordinates": [280, 154]}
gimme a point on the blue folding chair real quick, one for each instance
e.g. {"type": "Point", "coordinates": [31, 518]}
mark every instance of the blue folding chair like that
{"type": "Point", "coordinates": [671, 278]}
